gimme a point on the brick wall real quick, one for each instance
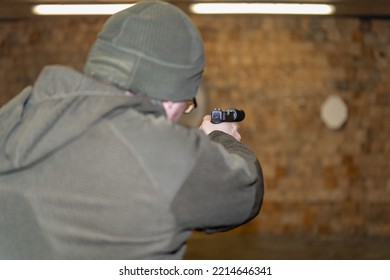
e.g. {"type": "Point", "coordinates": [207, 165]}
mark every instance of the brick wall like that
{"type": "Point", "coordinates": [26, 46]}
{"type": "Point", "coordinates": [319, 182]}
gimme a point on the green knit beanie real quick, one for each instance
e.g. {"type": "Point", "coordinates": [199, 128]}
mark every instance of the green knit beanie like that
{"type": "Point", "coordinates": [151, 48]}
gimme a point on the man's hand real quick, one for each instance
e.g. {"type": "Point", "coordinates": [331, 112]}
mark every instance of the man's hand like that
{"type": "Point", "coordinates": [230, 128]}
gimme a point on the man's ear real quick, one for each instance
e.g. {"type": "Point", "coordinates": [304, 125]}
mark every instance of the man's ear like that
{"type": "Point", "coordinates": [173, 110]}
{"type": "Point", "coordinates": [167, 104]}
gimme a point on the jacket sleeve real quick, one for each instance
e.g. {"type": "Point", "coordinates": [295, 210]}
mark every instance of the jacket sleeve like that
{"type": "Point", "coordinates": [224, 189]}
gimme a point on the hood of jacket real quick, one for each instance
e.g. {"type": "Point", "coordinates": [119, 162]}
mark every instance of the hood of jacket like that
{"type": "Point", "coordinates": [58, 108]}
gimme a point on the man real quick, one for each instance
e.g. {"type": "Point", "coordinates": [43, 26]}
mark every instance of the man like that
{"type": "Point", "coordinates": [95, 166]}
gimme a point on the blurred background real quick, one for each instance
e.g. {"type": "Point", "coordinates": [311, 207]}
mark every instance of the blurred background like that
{"type": "Point", "coordinates": [316, 92]}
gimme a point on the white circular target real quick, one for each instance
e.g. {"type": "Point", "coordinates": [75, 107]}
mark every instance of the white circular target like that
{"type": "Point", "coordinates": [334, 112]}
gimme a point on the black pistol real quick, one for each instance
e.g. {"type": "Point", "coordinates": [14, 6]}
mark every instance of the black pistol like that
{"type": "Point", "coordinates": [229, 115]}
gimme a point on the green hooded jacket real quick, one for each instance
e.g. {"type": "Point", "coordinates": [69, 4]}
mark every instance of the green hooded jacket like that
{"type": "Point", "coordinates": [87, 172]}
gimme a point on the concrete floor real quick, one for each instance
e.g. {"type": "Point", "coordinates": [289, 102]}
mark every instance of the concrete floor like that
{"type": "Point", "coordinates": [225, 246]}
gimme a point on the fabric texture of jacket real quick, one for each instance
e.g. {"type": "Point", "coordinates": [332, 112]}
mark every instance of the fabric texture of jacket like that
{"type": "Point", "coordinates": [87, 172]}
